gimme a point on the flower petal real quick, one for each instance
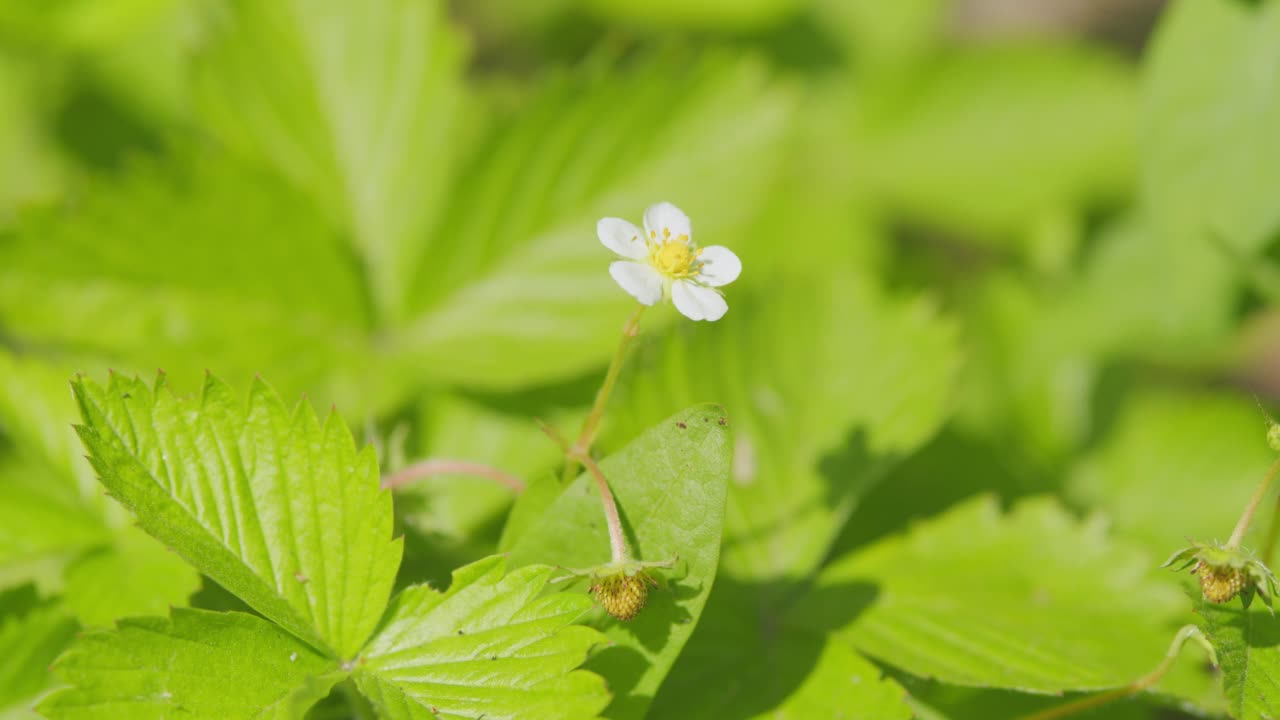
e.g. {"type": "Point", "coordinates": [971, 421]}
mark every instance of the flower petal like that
{"type": "Point", "coordinates": [638, 279]}
{"type": "Point", "coordinates": [698, 303]}
{"type": "Point", "coordinates": [666, 221]}
{"type": "Point", "coordinates": [622, 237]}
{"type": "Point", "coordinates": [719, 266]}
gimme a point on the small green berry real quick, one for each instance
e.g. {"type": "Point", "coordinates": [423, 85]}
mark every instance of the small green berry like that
{"type": "Point", "coordinates": [1273, 436]}
{"type": "Point", "coordinates": [623, 596]}
{"type": "Point", "coordinates": [1219, 584]}
{"type": "Point", "coordinates": [1227, 571]}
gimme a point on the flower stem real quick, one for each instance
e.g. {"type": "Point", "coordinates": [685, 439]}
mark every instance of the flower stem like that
{"type": "Point", "coordinates": [617, 541]}
{"type": "Point", "coordinates": [1242, 526]}
{"type": "Point", "coordinates": [582, 445]}
{"type": "Point", "coordinates": [1137, 686]}
{"type": "Point", "coordinates": [439, 466]}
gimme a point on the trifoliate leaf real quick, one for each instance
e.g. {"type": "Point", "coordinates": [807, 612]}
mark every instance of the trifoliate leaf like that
{"type": "Point", "coordinates": [1248, 646]}
{"type": "Point", "coordinates": [493, 645]}
{"type": "Point", "coordinates": [1032, 600]}
{"type": "Point", "coordinates": [354, 104]}
{"type": "Point", "coordinates": [670, 488]}
{"type": "Point", "coordinates": [863, 378]}
{"type": "Point", "coordinates": [196, 664]}
{"type": "Point", "coordinates": [277, 508]}
{"type": "Point", "coordinates": [517, 282]}
{"type": "Point", "coordinates": [32, 634]}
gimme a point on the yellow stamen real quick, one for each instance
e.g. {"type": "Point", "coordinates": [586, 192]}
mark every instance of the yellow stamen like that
{"type": "Point", "coordinates": [674, 258]}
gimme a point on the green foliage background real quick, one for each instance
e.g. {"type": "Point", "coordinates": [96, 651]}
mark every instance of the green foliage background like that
{"type": "Point", "coordinates": [1007, 300]}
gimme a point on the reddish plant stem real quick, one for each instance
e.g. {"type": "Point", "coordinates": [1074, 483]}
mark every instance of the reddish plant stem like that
{"type": "Point", "coordinates": [440, 466]}
{"type": "Point", "coordinates": [617, 540]}
{"type": "Point", "coordinates": [1237, 535]}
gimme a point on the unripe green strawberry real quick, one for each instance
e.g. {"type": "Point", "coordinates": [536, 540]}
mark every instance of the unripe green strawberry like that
{"type": "Point", "coordinates": [1220, 584]}
{"type": "Point", "coordinates": [622, 595]}
{"type": "Point", "coordinates": [1226, 571]}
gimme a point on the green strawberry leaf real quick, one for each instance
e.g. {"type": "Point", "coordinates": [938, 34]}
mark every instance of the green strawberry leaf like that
{"type": "Point", "coordinates": [734, 668]}
{"type": "Point", "coordinates": [1248, 646]}
{"type": "Point", "coordinates": [197, 664]}
{"type": "Point", "coordinates": [670, 488]}
{"type": "Point", "coordinates": [1032, 600]}
{"type": "Point", "coordinates": [354, 104]}
{"type": "Point", "coordinates": [280, 510]}
{"type": "Point", "coordinates": [493, 645]}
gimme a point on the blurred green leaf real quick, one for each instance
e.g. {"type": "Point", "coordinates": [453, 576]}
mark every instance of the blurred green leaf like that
{"type": "Point", "coordinates": [985, 141]}
{"type": "Point", "coordinates": [355, 105]}
{"type": "Point", "coordinates": [32, 633]}
{"type": "Point", "coordinates": [1031, 600]}
{"type": "Point", "coordinates": [491, 646]}
{"type": "Point", "coordinates": [810, 371]}
{"type": "Point", "coordinates": [669, 484]}
{"type": "Point", "coordinates": [716, 14]}
{"type": "Point", "coordinates": [197, 664]}
{"type": "Point", "coordinates": [41, 528]}
{"type": "Point", "coordinates": [1248, 646]}
{"type": "Point", "coordinates": [135, 575]}
{"type": "Point", "coordinates": [31, 169]}
{"type": "Point", "coordinates": [1211, 155]}
{"type": "Point", "coordinates": [884, 35]}
{"type": "Point", "coordinates": [209, 266]}
{"type": "Point", "coordinates": [1177, 465]}
{"type": "Point", "coordinates": [517, 282]}
{"type": "Point", "coordinates": [456, 428]}
{"type": "Point", "coordinates": [36, 412]}
{"type": "Point", "coordinates": [278, 509]}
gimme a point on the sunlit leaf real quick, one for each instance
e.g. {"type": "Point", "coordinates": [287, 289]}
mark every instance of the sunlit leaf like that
{"type": "Point", "coordinates": [196, 664]}
{"type": "Point", "coordinates": [279, 509]}
{"type": "Point", "coordinates": [492, 645]}
{"type": "Point", "coordinates": [1033, 600]}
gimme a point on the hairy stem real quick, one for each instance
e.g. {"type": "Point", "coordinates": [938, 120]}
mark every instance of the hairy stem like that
{"type": "Point", "coordinates": [1088, 703]}
{"type": "Point", "coordinates": [617, 540]}
{"type": "Point", "coordinates": [582, 445]}
{"type": "Point", "coordinates": [1242, 526]}
{"type": "Point", "coordinates": [439, 466]}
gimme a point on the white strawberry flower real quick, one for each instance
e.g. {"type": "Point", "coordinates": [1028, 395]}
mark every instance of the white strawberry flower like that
{"type": "Point", "coordinates": [663, 262]}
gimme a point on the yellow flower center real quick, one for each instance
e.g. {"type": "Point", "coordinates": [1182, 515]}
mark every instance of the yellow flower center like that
{"type": "Point", "coordinates": [673, 258]}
